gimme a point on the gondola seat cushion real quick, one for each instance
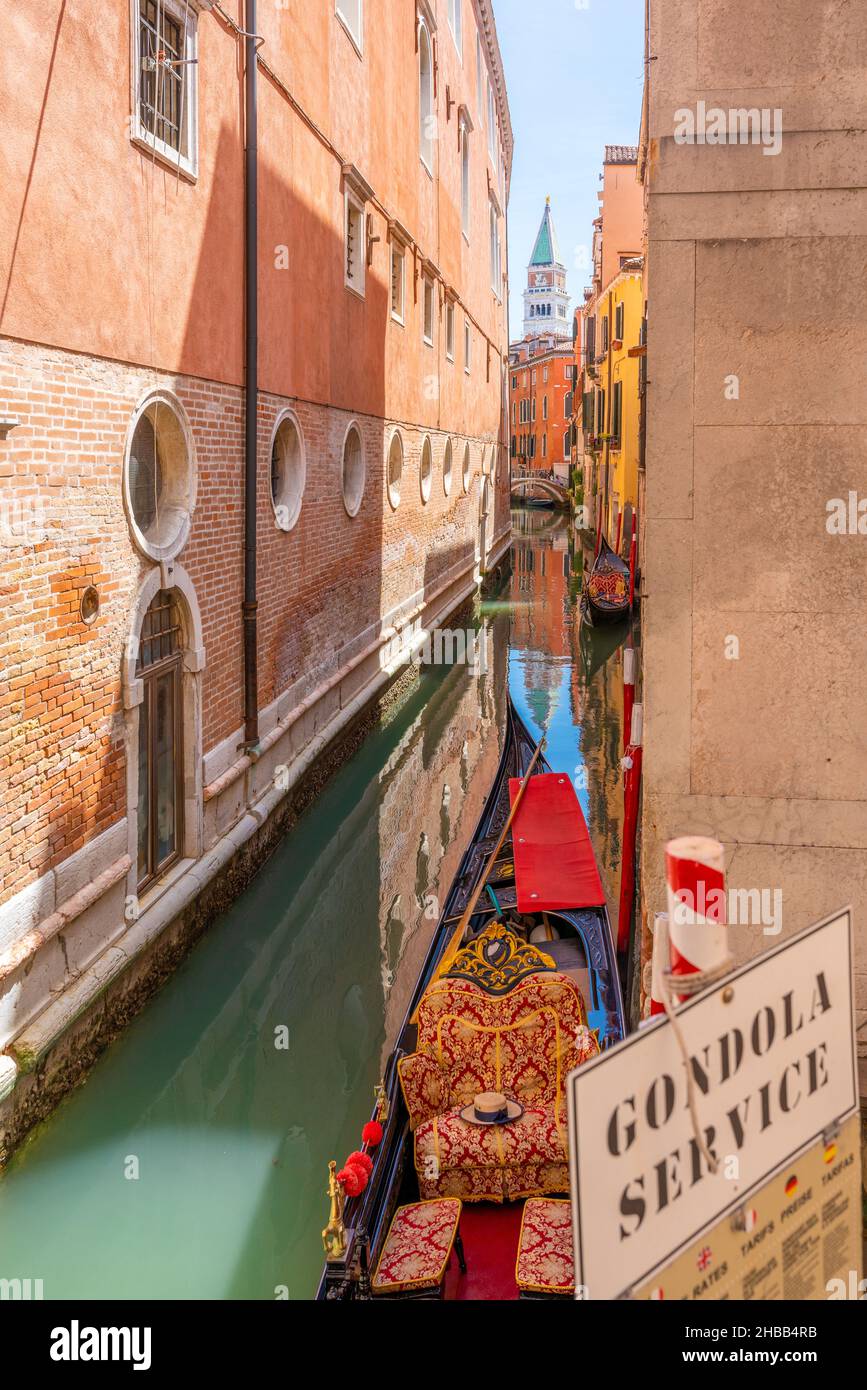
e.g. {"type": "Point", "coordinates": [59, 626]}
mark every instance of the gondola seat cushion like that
{"type": "Point", "coordinates": [523, 1043]}
{"type": "Point", "coordinates": [545, 1259]}
{"type": "Point", "coordinates": [417, 1247]}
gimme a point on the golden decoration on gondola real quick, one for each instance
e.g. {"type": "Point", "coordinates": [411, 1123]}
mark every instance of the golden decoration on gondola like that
{"type": "Point", "coordinates": [381, 1103]}
{"type": "Point", "coordinates": [497, 960]}
{"type": "Point", "coordinates": [334, 1235]}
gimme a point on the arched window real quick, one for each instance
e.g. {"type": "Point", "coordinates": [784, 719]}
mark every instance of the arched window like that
{"type": "Point", "coordinates": [467, 469]}
{"type": "Point", "coordinates": [425, 97]}
{"type": "Point", "coordinates": [160, 733]}
{"type": "Point", "coordinates": [465, 180]}
{"type": "Point", "coordinates": [426, 472]}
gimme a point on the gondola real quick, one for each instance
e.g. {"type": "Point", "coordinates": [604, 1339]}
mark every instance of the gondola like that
{"type": "Point", "coordinates": [520, 985]}
{"type": "Point", "coordinates": [606, 593]}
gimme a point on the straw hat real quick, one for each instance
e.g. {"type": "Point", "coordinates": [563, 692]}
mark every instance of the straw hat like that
{"type": "Point", "coordinates": [492, 1108]}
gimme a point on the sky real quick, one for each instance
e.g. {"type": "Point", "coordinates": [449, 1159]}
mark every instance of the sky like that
{"type": "Point", "coordinates": [574, 74]}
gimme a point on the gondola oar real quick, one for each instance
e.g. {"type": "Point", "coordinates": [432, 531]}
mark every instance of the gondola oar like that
{"type": "Point", "coordinates": [457, 936]}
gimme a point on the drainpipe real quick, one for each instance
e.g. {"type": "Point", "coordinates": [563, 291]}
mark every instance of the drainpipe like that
{"type": "Point", "coordinates": [608, 415]}
{"type": "Point", "coordinates": [251, 386]}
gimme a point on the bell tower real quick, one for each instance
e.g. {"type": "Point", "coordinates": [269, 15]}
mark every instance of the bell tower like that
{"type": "Point", "coordinates": [546, 301]}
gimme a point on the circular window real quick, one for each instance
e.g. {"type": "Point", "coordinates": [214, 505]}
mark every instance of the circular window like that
{"type": "Point", "coordinates": [447, 468]}
{"type": "Point", "coordinates": [288, 471]}
{"type": "Point", "coordinates": [395, 469]}
{"type": "Point", "coordinates": [467, 471]}
{"type": "Point", "coordinates": [426, 474]}
{"type": "Point", "coordinates": [159, 477]}
{"type": "Point", "coordinates": [353, 471]}
{"type": "Point", "coordinates": [88, 607]}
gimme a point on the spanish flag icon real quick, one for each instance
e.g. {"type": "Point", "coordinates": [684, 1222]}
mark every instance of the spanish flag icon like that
{"type": "Point", "coordinates": [792, 1186]}
{"type": "Point", "coordinates": [830, 1152]}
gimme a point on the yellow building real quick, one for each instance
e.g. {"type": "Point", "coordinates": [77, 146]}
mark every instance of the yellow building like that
{"type": "Point", "coordinates": [611, 414]}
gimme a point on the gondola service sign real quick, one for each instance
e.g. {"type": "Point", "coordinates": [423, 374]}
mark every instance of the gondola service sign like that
{"type": "Point", "coordinates": [772, 1059]}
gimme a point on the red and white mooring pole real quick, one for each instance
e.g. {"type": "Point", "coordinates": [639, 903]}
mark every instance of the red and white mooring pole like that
{"type": "Point", "coordinates": [660, 961]}
{"type": "Point", "coordinates": [631, 764]}
{"type": "Point", "coordinates": [629, 664]}
{"type": "Point", "coordinates": [695, 877]}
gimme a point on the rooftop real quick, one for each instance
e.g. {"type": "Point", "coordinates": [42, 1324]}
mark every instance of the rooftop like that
{"type": "Point", "coordinates": [621, 154]}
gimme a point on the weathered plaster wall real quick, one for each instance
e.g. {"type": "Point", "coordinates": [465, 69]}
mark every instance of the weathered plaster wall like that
{"type": "Point", "coordinates": [758, 270]}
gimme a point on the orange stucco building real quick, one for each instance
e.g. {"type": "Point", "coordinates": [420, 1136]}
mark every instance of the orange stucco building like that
{"type": "Point", "coordinates": [141, 759]}
{"type": "Point", "coordinates": [541, 364]}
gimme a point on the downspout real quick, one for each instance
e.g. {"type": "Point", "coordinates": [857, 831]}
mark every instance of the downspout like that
{"type": "Point", "coordinates": [251, 385]}
{"type": "Point", "coordinates": [609, 354]}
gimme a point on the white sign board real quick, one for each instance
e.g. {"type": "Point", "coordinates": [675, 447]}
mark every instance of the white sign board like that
{"type": "Point", "coordinates": [772, 1055]}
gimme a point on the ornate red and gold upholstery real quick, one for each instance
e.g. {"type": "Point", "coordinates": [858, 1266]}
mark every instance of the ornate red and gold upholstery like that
{"type": "Point", "coordinates": [417, 1247]}
{"type": "Point", "coordinates": [545, 1261]}
{"type": "Point", "coordinates": [523, 1043]}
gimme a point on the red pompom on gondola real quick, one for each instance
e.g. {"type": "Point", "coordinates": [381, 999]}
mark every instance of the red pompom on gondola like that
{"type": "Point", "coordinates": [360, 1160]}
{"type": "Point", "coordinates": [372, 1133]}
{"type": "Point", "coordinates": [353, 1179]}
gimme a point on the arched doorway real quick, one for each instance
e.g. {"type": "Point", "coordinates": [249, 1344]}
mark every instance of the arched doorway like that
{"type": "Point", "coordinates": [162, 677]}
{"type": "Point", "coordinates": [160, 811]}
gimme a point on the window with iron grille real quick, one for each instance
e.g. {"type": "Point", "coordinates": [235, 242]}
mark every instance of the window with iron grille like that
{"type": "Point", "coordinates": [165, 79]}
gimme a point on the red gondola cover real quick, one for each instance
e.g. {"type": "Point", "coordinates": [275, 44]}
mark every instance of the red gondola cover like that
{"type": "Point", "coordinates": [555, 866]}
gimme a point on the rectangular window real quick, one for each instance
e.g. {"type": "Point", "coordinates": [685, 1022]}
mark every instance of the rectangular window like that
{"type": "Point", "coordinates": [544, 407]}
{"type": "Point", "coordinates": [534, 408]}
{"type": "Point", "coordinates": [450, 332]}
{"type": "Point", "coordinates": [349, 13]}
{"type": "Point", "coordinates": [455, 26]}
{"type": "Point", "coordinates": [467, 346]}
{"type": "Point", "coordinates": [600, 412]}
{"type": "Point", "coordinates": [428, 312]}
{"type": "Point", "coordinates": [514, 383]}
{"type": "Point", "coordinates": [590, 340]}
{"type": "Point", "coordinates": [545, 445]}
{"type": "Point", "coordinates": [480, 82]}
{"type": "Point", "coordinates": [616, 409]}
{"type": "Point", "coordinates": [492, 123]}
{"type": "Point", "coordinates": [354, 245]}
{"type": "Point", "coordinates": [587, 412]}
{"type": "Point", "coordinates": [165, 81]}
{"type": "Point", "coordinates": [618, 321]}
{"type": "Point", "coordinates": [398, 282]}
{"type": "Point", "coordinates": [465, 181]}
{"type": "Point", "coordinates": [545, 375]}
{"type": "Point", "coordinates": [605, 333]}
{"type": "Point", "coordinates": [495, 250]}
{"type": "Point", "coordinates": [568, 366]}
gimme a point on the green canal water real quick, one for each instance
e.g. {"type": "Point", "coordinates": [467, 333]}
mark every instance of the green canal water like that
{"type": "Point", "coordinates": [193, 1161]}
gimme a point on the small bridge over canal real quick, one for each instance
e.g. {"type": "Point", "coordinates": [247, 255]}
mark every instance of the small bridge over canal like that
{"type": "Point", "coordinates": [525, 485]}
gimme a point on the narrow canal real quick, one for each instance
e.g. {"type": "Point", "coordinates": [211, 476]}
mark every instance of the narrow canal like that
{"type": "Point", "coordinates": [193, 1162]}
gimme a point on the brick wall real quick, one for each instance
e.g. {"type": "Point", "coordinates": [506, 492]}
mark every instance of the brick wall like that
{"type": "Point", "coordinates": [63, 527]}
